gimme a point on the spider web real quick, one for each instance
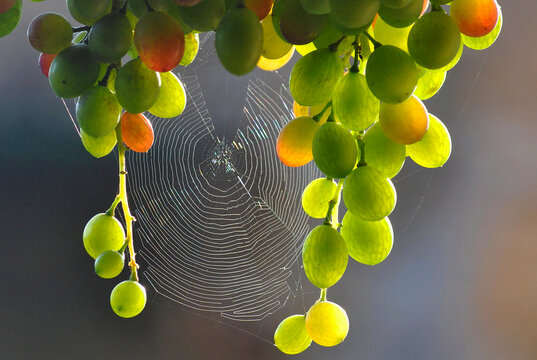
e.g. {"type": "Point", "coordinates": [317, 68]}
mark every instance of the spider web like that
{"type": "Point", "coordinates": [219, 217]}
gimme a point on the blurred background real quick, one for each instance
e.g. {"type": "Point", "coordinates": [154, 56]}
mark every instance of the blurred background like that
{"type": "Point", "coordinates": [460, 282]}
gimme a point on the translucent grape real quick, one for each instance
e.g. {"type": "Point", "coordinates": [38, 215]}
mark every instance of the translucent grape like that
{"type": "Point", "coordinates": [368, 194]}
{"type": "Point", "coordinates": [109, 264]}
{"type": "Point", "coordinates": [483, 42]}
{"type": "Point", "coordinates": [9, 19]}
{"type": "Point", "coordinates": [383, 154]}
{"type": "Point", "coordinates": [50, 33]}
{"type": "Point", "coordinates": [128, 299]}
{"type": "Point", "coordinates": [275, 64]}
{"type": "Point", "coordinates": [97, 111]}
{"type": "Point", "coordinates": [404, 16]}
{"type": "Point", "coordinates": [99, 146]}
{"type": "Point", "coordinates": [73, 71]}
{"type": "Point", "coordinates": [429, 84]}
{"type": "Point", "coordinates": [110, 38]}
{"type": "Point", "coordinates": [137, 86]}
{"type": "Point", "coordinates": [324, 256]}
{"type": "Point", "coordinates": [389, 35]}
{"type": "Point", "coordinates": [103, 232]}
{"type": "Point", "coordinates": [354, 14]}
{"type": "Point", "coordinates": [305, 49]}
{"type": "Point", "coordinates": [435, 148]}
{"type": "Point", "coordinates": [298, 26]}
{"type": "Point", "coordinates": [368, 242]}
{"type": "Point", "coordinates": [192, 44]}
{"type": "Point", "coordinates": [315, 76]}
{"type": "Point", "coordinates": [204, 16]}
{"type": "Point", "coordinates": [316, 197]}
{"type": "Point", "coordinates": [295, 141]}
{"type": "Point", "coordinates": [137, 132]}
{"type": "Point", "coordinates": [334, 150]}
{"type": "Point", "coordinates": [160, 41]}
{"type": "Point", "coordinates": [273, 46]}
{"type": "Point", "coordinates": [291, 336]}
{"type": "Point", "coordinates": [354, 105]}
{"type": "Point", "coordinates": [87, 12]}
{"type": "Point", "coordinates": [327, 323]}
{"type": "Point", "coordinates": [391, 74]}
{"type": "Point", "coordinates": [239, 41]}
{"type": "Point", "coordinates": [475, 17]}
{"type": "Point", "coordinates": [171, 100]}
{"type": "Point", "coordinates": [455, 60]}
{"type": "Point", "coordinates": [404, 123]}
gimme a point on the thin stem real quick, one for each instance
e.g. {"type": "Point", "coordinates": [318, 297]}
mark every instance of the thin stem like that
{"type": "Point", "coordinates": [104, 80]}
{"type": "Point", "coordinates": [81, 28]}
{"type": "Point", "coordinates": [357, 54]}
{"type": "Point", "coordinates": [125, 204]}
{"type": "Point", "coordinates": [376, 44]}
{"type": "Point", "coordinates": [323, 295]}
{"type": "Point", "coordinates": [332, 213]}
{"type": "Point", "coordinates": [319, 116]}
{"type": "Point", "coordinates": [112, 210]}
{"type": "Point", "coordinates": [361, 146]}
{"type": "Point", "coordinates": [333, 47]}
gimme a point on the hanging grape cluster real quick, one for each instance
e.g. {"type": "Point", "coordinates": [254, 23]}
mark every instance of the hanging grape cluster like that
{"type": "Point", "coordinates": [367, 66]}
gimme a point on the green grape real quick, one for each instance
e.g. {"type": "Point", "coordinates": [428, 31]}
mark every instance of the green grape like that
{"type": "Point", "coordinates": [483, 42]}
{"type": "Point", "coordinates": [429, 84]}
{"type": "Point", "coordinates": [305, 49]}
{"type": "Point", "coordinates": [434, 149]}
{"type": "Point", "coordinates": [354, 14]}
{"type": "Point", "coordinates": [97, 111]}
{"type": "Point", "coordinates": [401, 17]}
{"type": "Point", "coordinates": [315, 76]}
{"type": "Point", "coordinates": [368, 242]}
{"type": "Point", "coordinates": [350, 31]}
{"type": "Point", "coordinates": [291, 336]}
{"type": "Point", "coordinates": [87, 12]}
{"type": "Point", "coordinates": [128, 299]}
{"type": "Point", "coordinates": [368, 194]}
{"type": "Point", "coordinates": [276, 14]}
{"type": "Point", "coordinates": [79, 37]}
{"type": "Point", "coordinates": [133, 20]}
{"type": "Point", "coordinates": [389, 35]}
{"type": "Point", "coordinates": [328, 36]}
{"type": "Point", "coordinates": [73, 71]}
{"type": "Point", "coordinates": [174, 9]}
{"type": "Point", "coordinates": [298, 26]}
{"type": "Point", "coordinates": [391, 74]}
{"type": "Point", "coordinates": [138, 7]}
{"type": "Point", "coordinates": [50, 33]}
{"type": "Point", "coordinates": [394, 4]}
{"type": "Point", "coordinates": [192, 44]}
{"type": "Point", "coordinates": [354, 105]}
{"type": "Point", "coordinates": [434, 40]}
{"type": "Point", "coordinates": [137, 86]}
{"type": "Point", "coordinates": [10, 18]}
{"type": "Point", "coordinates": [109, 264]}
{"type": "Point", "coordinates": [383, 154]}
{"type": "Point", "coordinates": [316, 197]}
{"type": "Point", "coordinates": [171, 100]}
{"type": "Point", "coordinates": [334, 150]}
{"type": "Point", "coordinates": [103, 232]}
{"type": "Point", "coordinates": [204, 16]}
{"type": "Point", "coordinates": [110, 38]}
{"type": "Point", "coordinates": [327, 323]}
{"type": "Point", "coordinates": [317, 7]}
{"type": "Point", "coordinates": [324, 256]}
{"type": "Point", "coordinates": [239, 41]}
{"type": "Point", "coordinates": [273, 46]}
{"type": "Point", "coordinates": [99, 146]}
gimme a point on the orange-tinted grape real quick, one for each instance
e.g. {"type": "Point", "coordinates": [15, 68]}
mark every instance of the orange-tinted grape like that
{"type": "Point", "coordinates": [391, 74]}
{"type": "Point", "coordinates": [73, 71]}
{"type": "Point", "coordinates": [404, 123]}
{"type": "Point", "coordinates": [295, 140]}
{"type": "Point", "coordinates": [260, 7]}
{"type": "Point", "coordinates": [137, 86]}
{"type": "Point", "coordinates": [44, 62]}
{"type": "Point", "coordinates": [5, 5]}
{"type": "Point", "coordinates": [475, 17]}
{"type": "Point", "coordinates": [354, 14]}
{"type": "Point", "coordinates": [87, 12]}
{"type": "Point", "coordinates": [50, 33]}
{"type": "Point", "coordinates": [483, 42]}
{"type": "Point", "coordinates": [110, 38]}
{"type": "Point", "coordinates": [137, 132]}
{"type": "Point", "coordinates": [434, 40]}
{"type": "Point", "coordinates": [204, 16]}
{"type": "Point", "coordinates": [239, 41]}
{"type": "Point", "coordinates": [299, 27]}
{"type": "Point", "coordinates": [159, 41]}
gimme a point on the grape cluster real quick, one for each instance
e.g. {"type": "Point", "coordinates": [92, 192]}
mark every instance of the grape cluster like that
{"type": "Point", "coordinates": [359, 119]}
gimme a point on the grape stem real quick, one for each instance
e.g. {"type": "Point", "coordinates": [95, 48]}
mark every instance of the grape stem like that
{"type": "Point", "coordinates": [323, 295]}
{"type": "Point", "coordinates": [104, 80]}
{"type": "Point", "coordinates": [376, 44]}
{"type": "Point", "coordinates": [331, 218]}
{"type": "Point", "coordinates": [318, 117]}
{"type": "Point", "coordinates": [333, 47]}
{"type": "Point", "coordinates": [112, 210]}
{"type": "Point", "coordinates": [129, 219]}
{"type": "Point", "coordinates": [361, 146]}
{"type": "Point", "coordinates": [357, 55]}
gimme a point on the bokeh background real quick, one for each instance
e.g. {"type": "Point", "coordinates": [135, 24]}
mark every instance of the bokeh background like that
{"type": "Point", "coordinates": [460, 283]}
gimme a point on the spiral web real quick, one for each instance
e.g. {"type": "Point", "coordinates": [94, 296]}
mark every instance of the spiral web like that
{"type": "Point", "coordinates": [219, 217]}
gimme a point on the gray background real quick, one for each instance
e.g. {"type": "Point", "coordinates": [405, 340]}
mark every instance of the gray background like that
{"type": "Point", "coordinates": [460, 282]}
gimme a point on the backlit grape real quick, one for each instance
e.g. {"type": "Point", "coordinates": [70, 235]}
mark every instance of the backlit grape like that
{"type": "Point", "coordinates": [128, 299]}
{"type": "Point", "coordinates": [109, 264]}
{"type": "Point", "coordinates": [137, 86]}
{"type": "Point", "coordinates": [316, 197]}
{"type": "Point", "coordinates": [291, 336]}
{"type": "Point", "coordinates": [327, 323]}
{"type": "Point", "coordinates": [334, 150]}
{"type": "Point", "coordinates": [50, 33]}
{"type": "Point", "coordinates": [103, 232]}
{"type": "Point", "coordinates": [97, 111]}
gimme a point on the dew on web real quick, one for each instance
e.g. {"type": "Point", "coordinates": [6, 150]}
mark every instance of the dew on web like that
{"type": "Point", "coordinates": [219, 217]}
